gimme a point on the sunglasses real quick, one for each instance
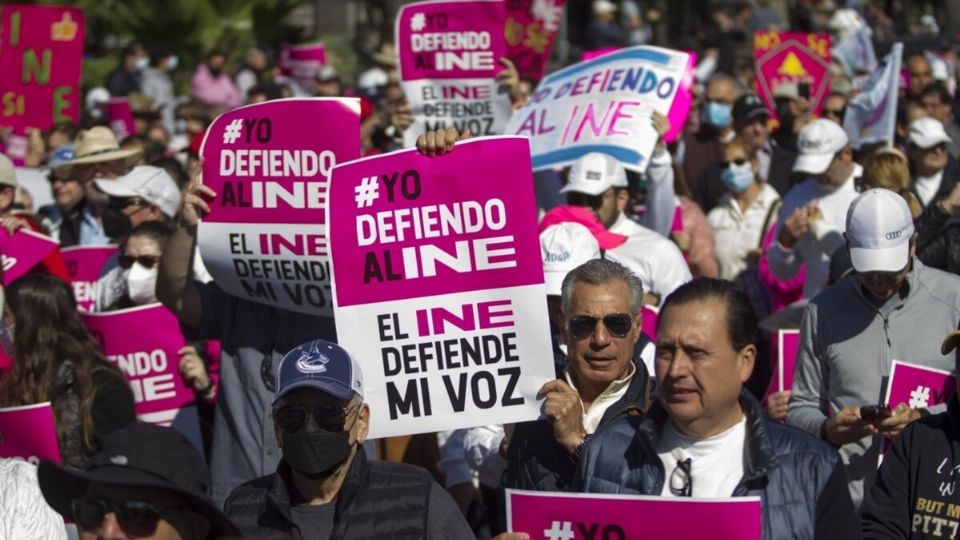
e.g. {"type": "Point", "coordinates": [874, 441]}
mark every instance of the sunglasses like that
{"type": "Point", "coordinates": [618, 324]}
{"type": "Point", "coordinates": [136, 518]}
{"type": "Point", "coordinates": [736, 161]}
{"type": "Point", "coordinates": [120, 203]}
{"type": "Point", "coordinates": [291, 418]}
{"type": "Point", "coordinates": [146, 261]}
{"type": "Point", "coordinates": [838, 113]}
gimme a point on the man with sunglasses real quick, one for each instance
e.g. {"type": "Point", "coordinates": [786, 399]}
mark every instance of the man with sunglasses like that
{"type": "Point", "coordinates": [146, 482]}
{"type": "Point", "coordinates": [325, 486]}
{"type": "Point", "coordinates": [892, 307]}
{"type": "Point", "coordinates": [604, 376]}
{"type": "Point", "coordinates": [815, 207]}
{"type": "Point", "coordinates": [934, 172]}
{"type": "Point", "coordinates": [706, 436]}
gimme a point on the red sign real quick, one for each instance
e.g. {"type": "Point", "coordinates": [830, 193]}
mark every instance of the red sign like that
{"type": "Point", "coordinates": [795, 59]}
{"type": "Point", "coordinates": [41, 58]}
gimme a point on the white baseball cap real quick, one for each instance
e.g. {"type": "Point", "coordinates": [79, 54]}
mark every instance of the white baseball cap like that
{"type": "Point", "coordinates": [563, 247]}
{"type": "Point", "coordinates": [926, 133]}
{"type": "Point", "coordinates": [879, 229]}
{"type": "Point", "coordinates": [595, 173]}
{"type": "Point", "coordinates": [152, 184]}
{"type": "Point", "coordinates": [604, 6]}
{"type": "Point", "coordinates": [819, 142]}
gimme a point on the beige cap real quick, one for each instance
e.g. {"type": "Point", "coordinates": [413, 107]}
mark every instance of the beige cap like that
{"type": "Point", "coordinates": [8, 174]}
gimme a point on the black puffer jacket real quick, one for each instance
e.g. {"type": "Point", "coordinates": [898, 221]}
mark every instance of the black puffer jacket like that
{"type": "Point", "coordinates": [799, 479]}
{"type": "Point", "coordinates": [938, 243]}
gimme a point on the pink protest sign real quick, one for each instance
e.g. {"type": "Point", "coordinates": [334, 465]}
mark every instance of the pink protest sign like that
{"type": "Point", "coordinates": [919, 387]}
{"type": "Point", "coordinates": [22, 251]}
{"type": "Point", "coordinates": [301, 62]}
{"type": "Point", "coordinates": [29, 432]}
{"type": "Point", "coordinates": [41, 57]}
{"type": "Point", "coordinates": [120, 117]}
{"type": "Point", "coordinates": [586, 515]}
{"type": "Point", "coordinates": [442, 256]}
{"type": "Point", "coordinates": [785, 350]}
{"type": "Point", "coordinates": [85, 264]}
{"type": "Point", "coordinates": [651, 316]}
{"type": "Point", "coordinates": [680, 108]}
{"type": "Point", "coordinates": [143, 342]}
{"type": "Point", "coordinates": [602, 105]}
{"type": "Point", "coordinates": [793, 59]}
{"type": "Point", "coordinates": [597, 53]}
{"type": "Point", "coordinates": [530, 30]}
{"type": "Point", "coordinates": [16, 147]}
{"type": "Point", "coordinates": [449, 54]}
{"type": "Point", "coordinates": [265, 237]}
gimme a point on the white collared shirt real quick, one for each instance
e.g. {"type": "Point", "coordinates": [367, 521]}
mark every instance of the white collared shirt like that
{"type": "Point", "coordinates": [736, 233]}
{"type": "Point", "coordinates": [614, 391]}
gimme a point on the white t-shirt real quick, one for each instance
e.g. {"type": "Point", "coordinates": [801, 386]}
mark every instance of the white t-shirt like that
{"type": "Point", "coordinates": [716, 463]}
{"type": "Point", "coordinates": [656, 260]}
{"type": "Point", "coordinates": [927, 187]}
{"type": "Point", "coordinates": [736, 233]}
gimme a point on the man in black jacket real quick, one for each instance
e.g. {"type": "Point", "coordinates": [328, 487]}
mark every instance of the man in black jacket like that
{"type": "Point", "coordinates": [915, 495]}
{"type": "Point", "coordinates": [604, 376]}
{"type": "Point", "coordinates": [325, 487]}
{"type": "Point", "coordinates": [939, 242]}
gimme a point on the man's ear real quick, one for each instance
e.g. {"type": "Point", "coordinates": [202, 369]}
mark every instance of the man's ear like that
{"type": "Point", "coordinates": [747, 357]}
{"type": "Point", "coordinates": [623, 197]}
{"type": "Point", "coordinates": [363, 423]}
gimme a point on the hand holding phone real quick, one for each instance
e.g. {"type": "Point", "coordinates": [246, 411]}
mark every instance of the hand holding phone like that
{"type": "Point", "coordinates": [875, 413]}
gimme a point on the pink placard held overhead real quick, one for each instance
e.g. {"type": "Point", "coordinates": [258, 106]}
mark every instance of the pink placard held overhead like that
{"type": "Point", "coordinates": [680, 108]}
{"type": "Point", "coordinates": [30, 433]}
{"type": "Point", "coordinates": [301, 62]}
{"type": "Point", "coordinates": [438, 285]}
{"type": "Point", "coordinates": [41, 57]}
{"type": "Point", "coordinates": [120, 116]}
{"type": "Point", "coordinates": [143, 342]}
{"type": "Point", "coordinates": [22, 251]}
{"type": "Point", "coordinates": [795, 62]}
{"type": "Point", "coordinates": [651, 317]}
{"type": "Point", "coordinates": [449, 54]}
{"type": "Point", "coordinates": [585, 515]}
{"type": "Point", "coordinates": [17, 146]}
{"type": "Point", "coordinates": [530, 31]}
{"type": "Point", "coordinates": [265, 237]}
{"type": "Point", "coordinates": [918, 386]}
{"type": "Point", "coordinates": [85, 264]}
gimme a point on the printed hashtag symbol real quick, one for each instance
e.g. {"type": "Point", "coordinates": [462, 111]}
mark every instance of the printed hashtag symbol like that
{"type": "Point", "coordinates": [367, 192]}
{"type": "Point", "coordinates": [559, 531]}
{"type": "Point", "coordinates": [919, 398]}
{"type": "Point", "coordinates": [418, 22]}
{"type": "Point", "coordinates": [232, 131]}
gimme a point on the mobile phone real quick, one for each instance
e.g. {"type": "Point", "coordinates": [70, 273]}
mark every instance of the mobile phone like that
{"type": "Point", "coordinates": [875, 413]}
{"type": "Point", "coordinates": [803, 90]}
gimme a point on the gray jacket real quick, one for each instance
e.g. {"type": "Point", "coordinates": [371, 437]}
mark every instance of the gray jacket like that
{"type": "Point", "coordinates": [847, 344]}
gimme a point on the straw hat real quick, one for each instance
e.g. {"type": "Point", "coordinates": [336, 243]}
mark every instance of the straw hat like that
{"type": "Point", "coordinates": [96, 145]}
{"type": "Point", "coordinates": [386, 55]}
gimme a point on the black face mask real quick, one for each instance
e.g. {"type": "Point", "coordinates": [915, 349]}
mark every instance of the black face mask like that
{"type": "Point", "coordinates": [215, 72]}
{"type": "Point", "coordinates": [115, 223]}
{"type": "Point", "coordinates": [316, 454]}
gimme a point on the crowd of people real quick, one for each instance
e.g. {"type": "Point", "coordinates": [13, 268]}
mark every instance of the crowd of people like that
{"type": "Point", "coordinates": [745, 225]}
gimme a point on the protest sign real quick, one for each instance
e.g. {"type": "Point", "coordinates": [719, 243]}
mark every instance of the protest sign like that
{"type": "Point", "coordinates": [450, 52]}
{"type": "Point", "coordinates": [597, 53]}
{"type": "Point", "coordinates": [591, 515]}
{"type": "Point", "coordinates": [37, 183]}
{"type": "Point", "coordinates": [603, 105]}
{"type": "Point", "coordinates": [797, 60]}
{"type": "Point", "coordinates": [85, 264]}
{"type": "Point", "coordinates": [872, 114]}
{"type": "Point", "coordinates": [16, 147]}
{"type": "Point", "coordinates": [143, 342]}
{"type": "Point", "coordinates": [265, 238]}
{"type": "Point", "coordinates": [788, 346]}
{"type": "Point", "coordinates": [530, 30]}
{"type": "Point", "coordinates": [438, 285]}
{"type": "Point", "coordinates": [651, 316]}
{"type": "Point", "coordinates": [22, 251]}
{"type": "Point", "coordinates": [30, 433]}
{"type": "Point", "coordinates": [301, 62]}
{"type": "Point", "coordinates": [120, 116]}
{"type": "Point", "coordinates": [919, 387]}
{"type": "Point", "coordinates": [41, 57]}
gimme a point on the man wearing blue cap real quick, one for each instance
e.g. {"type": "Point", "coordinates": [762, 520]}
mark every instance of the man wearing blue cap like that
{"type": "Point", "coordinates": [324, 486]}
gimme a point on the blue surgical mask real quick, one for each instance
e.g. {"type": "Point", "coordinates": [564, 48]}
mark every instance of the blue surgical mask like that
{"type": "Point", "coordinates": [719, 115]}
{"type": "Point", "coordinates": [738, 178]}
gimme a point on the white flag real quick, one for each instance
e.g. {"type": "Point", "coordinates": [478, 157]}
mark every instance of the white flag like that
{"type": "Point", "coordinates": [872, 115]}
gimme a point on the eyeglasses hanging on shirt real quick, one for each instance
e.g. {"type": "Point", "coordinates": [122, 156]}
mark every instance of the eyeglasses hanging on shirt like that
{"type": "Point", "coordinates": [681, 481]}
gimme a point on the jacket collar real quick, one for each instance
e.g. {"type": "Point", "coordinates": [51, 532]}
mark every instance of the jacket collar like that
{"type": "Point", "coordinates": [760, 456]}
{"type": "Point", "coordinates": [953, 413]}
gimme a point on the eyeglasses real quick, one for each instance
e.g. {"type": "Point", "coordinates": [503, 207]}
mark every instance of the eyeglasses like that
{"type": "Point", "coordinates": [120, 203]}
{"type": "Point", "coordinates": [136, 518]}
{"type": "Point", "coordinates": [681, 481]}
{"type": "Point", "coordinates": [618, 324]}
{"type": "Point", "coordinates": [290, 418]}
{"type": "Point", "coordinates": [146, 261]}
{"type": "Point", "coordinates": [837, 113]}
{"type": "Point", "coordinates": [736, 161]}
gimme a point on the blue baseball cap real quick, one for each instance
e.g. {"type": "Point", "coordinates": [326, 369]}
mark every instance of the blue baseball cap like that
{"type": "Point", "coordinates": [60, 156]}
{"type": "Point", "coordinates": [320, 365]}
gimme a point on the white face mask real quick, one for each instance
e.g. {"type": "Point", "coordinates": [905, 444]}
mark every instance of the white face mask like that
{"type": "Point", "coordinates": [142, 63]}
{"type": "Point", "coordinates": [172, 63]}
{"type": "Point", "coordinates": [142, 284]}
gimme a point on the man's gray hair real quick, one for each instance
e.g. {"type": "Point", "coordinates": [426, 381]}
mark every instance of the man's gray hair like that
{"type": "Point", "coordinates": [601, 272]}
